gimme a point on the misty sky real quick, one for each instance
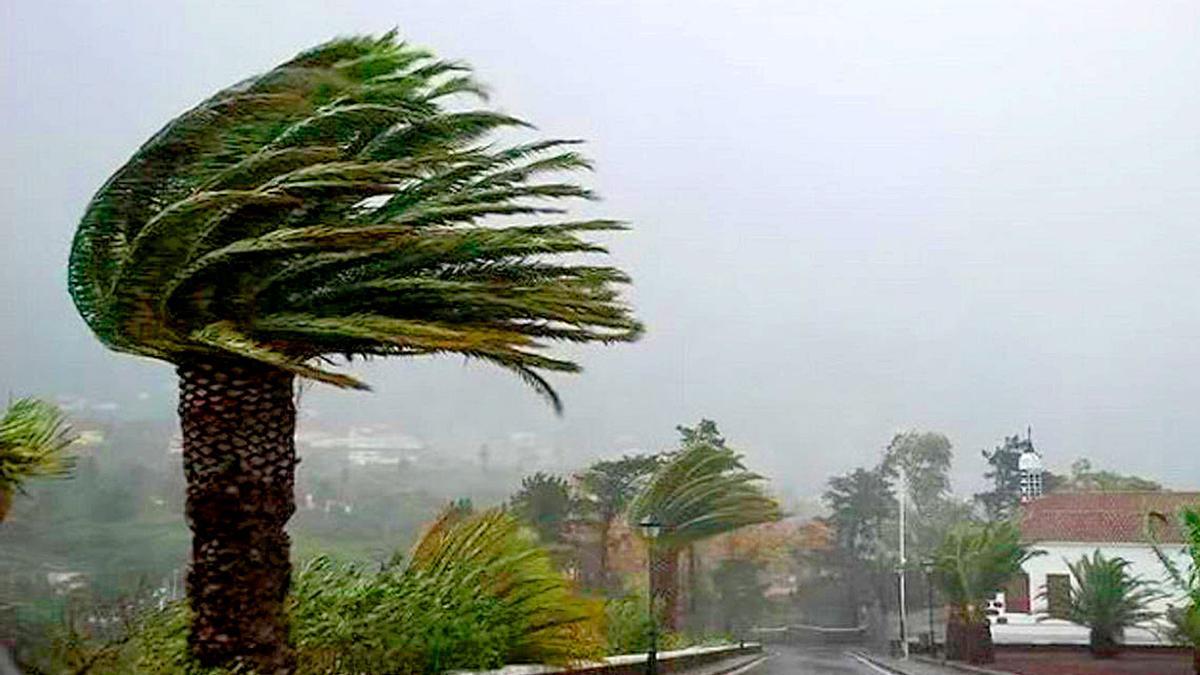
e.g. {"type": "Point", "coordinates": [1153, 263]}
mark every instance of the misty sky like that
{"type": "Point", "coordinates": [851, 217]}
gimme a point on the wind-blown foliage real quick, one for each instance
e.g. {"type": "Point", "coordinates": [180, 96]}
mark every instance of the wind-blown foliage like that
{"type": "Point", "coordinates": [1107, 599]}
{"type": "Point", "coordinates": [34, 437]}
{"type": "Point", "coordinates": [974, 562]}
{"type": "Point", "coordinates": [477, 593]}
{"type": "Point", "coordinates": [1185, 620]}
{"type": "Point", "coordinates": [334, 206]}
{"type": "Point", "coordinates": [702, 490]}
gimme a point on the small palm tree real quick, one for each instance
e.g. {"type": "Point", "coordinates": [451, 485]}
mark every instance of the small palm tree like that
{"type": "Point", "coordinates": [971, 565]}
{"type": "Point", "coordinates": [333, 206]}
{"type": "Point", "coordinates": [702, 491]}
{"type": "Point", "coordinates": [34, 437]}
{"type": "Point", "coordinates": [1107, 599]}
{"type": "Point", "coordinates": [1186, 619]}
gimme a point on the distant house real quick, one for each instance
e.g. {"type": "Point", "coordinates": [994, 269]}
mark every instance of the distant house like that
{"type": "Point", "coordinates": [1067, 526]}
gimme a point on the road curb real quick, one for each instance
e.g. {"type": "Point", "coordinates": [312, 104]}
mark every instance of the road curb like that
{"type": "Point", "coordinates": [961, 667]}
{"type": "Point", "coordinates": [897, 670]}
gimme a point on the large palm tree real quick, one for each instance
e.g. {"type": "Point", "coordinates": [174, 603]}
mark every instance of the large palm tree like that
{"type": "Point", "coordinates": [971, 565]}
{"type": "Point", "coordinates": [331, 206]}
{"type": "Point", "coordinates": [34, 437]}
{"type": "Point", "coordinates": [702, 491]}
{"type": "Point", "coordinates": [1107, 599]}
{"type": "Point", "coordinates": [1186, 619]}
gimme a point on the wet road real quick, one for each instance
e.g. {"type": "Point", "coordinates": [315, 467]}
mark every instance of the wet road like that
{"type": "Point", "coordinates": [786, 660]}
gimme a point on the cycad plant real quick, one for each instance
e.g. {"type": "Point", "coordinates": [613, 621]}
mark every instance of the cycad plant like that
{"type": "Point", "coordinates": [1107, 599]}
{"type": "Point", "coordinates": [34, 437]}
{"type": "Point", "coordinates": [702, 490]}
{"type": "Point", "coordinates": [972, 564]}
{"type": "Point", "coordinates": [333, 206]}
{"type": "Point", "coordinates": [1185, 619]}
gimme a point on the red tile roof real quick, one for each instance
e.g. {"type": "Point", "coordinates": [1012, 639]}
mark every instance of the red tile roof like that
{"type": "Point", "coordinates": [1101, 517]}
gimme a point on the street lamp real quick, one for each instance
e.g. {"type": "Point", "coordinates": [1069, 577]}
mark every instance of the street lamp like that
{"type": "Point", "coordinates": [927, 567]}
{"type": "Point", "coordinates": [651, 528]}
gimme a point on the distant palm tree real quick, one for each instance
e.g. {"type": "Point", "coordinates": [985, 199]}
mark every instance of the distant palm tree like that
{"type": "Point", "coordinates": [1186, 619]}
{"type": "Point", "coordinates": [703, 490]}
{"type": "Point", "coordinates": [971, 565]}
{"type": "Point", "coordinates": [34, 437]}
{"type": "Point", "coordinates": [1107, 599]}
{"type": "Point", "coordinates": [329, 207]}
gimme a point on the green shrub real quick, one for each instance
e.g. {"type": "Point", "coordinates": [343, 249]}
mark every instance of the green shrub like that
{"type": "Point", "coordinates": [477, 593]}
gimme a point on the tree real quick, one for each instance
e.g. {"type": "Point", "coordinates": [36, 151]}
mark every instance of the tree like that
{"type": "Point", "coordinates": [1107, 599]}
{"type": "Point", "coordinates": [703, 490]}
{"type": "Point", "coordinates": [1186, 620]}
{"type": "Point", "coordinates": [925, 458]}
{"type": "Point", "coordinates": [329, 207]}
{"type": "Point", "coordinates": [972, 564]}
{"type": "Point", "coordinates": [34, 437]}
{"type": "Point", "coordinates": [740, 593]}
{"type": "Point", "coordinates": [1004, 473]}
{"type": "Point", "coordinates": [607, 488]}
{"type": "Point", "coordinates": [1084, 478]}
{"type": "Point", "coordinates": [544, 503]}
{"type": "Point", "coordinates": [860, 504]}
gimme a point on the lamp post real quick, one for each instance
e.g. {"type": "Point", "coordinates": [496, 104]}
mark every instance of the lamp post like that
{"type": "Point", "coordinates": [927, 567]}
{"type": "Point", "coordinates": [651, 528]}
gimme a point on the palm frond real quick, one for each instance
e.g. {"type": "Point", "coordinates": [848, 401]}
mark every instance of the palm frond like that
{"type": "Point", "coordinates": [339, 188]}
{"type": "Point", "coordinates": [34, 437]}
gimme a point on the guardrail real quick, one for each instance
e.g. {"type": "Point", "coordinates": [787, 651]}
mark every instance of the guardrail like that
{"type": "Point", "coordinates": [804, 634]}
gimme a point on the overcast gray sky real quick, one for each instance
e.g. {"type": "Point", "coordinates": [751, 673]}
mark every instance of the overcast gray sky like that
{"type": "Point", "coordinates": [851, 218]}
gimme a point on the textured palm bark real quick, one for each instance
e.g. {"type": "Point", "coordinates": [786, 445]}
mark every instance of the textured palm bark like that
{"type": "Point", "coordinates": [969, 637]}
{"type": "Point", "coordinates": [665, 569]}
{"type": "Point", "coordinates": [238, 421]}
{"type": "Point", "coordinates": [5, 503]}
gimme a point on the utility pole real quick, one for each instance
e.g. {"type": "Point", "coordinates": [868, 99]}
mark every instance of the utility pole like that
{"type": "Point", "coordinates": [903, 561]}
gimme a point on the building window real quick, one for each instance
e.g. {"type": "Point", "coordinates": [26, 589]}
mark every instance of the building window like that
{"type": "Point", "coordinates": [1058, 595]}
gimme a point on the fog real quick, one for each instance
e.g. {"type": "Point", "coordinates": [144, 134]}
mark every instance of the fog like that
{"type": "Point", "coordinates": [849, 218]}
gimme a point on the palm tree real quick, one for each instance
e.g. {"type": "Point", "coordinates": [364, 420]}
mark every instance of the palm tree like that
{"type": "Point", "coordinates": [331, 206]}
{"type": "Point", "coordinates": [1186, 619]}
{"type": "Point", "coordinates": [703, 490]}
{"type": "Point", "coordinates": [973, 563]}
{"type": "Point", "coordinates": [1107, 599]}
{"type": "Point", "coordinates": [607, 488]}
{"type": "Point", "coordinates": [33, 440]}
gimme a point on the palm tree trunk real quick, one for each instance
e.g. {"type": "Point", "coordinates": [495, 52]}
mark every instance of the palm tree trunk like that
{"type": "Point", "coordinates": [665, 569]}
{"type": "Point", "coordinates": [5, 502]}
{"type": "Point", "coordinates": [605, 527]}
{"type": "Point", "coordinates": [969, 637]}
{"type": "Point", "coordinates": [693, 584]}
{"type": "Point", "coordinates": [238, 421]}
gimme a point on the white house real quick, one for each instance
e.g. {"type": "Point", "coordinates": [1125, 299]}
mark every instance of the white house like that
{"type": "Point", "coordinates": [1067, 526]}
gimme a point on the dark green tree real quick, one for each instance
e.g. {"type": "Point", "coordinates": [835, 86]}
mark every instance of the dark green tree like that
{"type": "Point", "coordinates": [544, 503]}
{"type": "Point", "coordinates": [740, 592]}
{"type": "Point", "coordinates": [607, 488]}
{"type": "Point", "coordinates": [341, 204]}
{"type": "Point", "coordinates": [1003, 473]}
{"type": "Point", "coordinates": [1085, 478]}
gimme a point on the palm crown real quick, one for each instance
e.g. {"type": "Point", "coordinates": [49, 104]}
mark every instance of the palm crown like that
{"type": "Point", "coordinates": [333, 206]}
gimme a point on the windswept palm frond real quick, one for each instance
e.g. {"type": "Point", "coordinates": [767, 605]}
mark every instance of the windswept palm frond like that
{"type": "Point", "coordinates": [1185, 620]}
{"type": "Point", "coordinates": [702, 491]}
{"type": "Point", "coordinates": [476, 593]}
{"type": "Point", "coordinates": [34, 437]}
{"type": "Point", "coordinates": [344, 203]}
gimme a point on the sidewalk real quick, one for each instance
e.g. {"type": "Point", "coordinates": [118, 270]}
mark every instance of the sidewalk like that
{"type": "Point", "coordinates": [920, 665]}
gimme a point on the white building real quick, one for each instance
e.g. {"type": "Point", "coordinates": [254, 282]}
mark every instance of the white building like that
{"type": "Point", "coordinates": [1068, 526]}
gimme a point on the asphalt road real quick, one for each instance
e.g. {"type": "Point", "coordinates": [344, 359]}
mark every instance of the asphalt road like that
{"type": "Point", "coordinates": [787, 660]}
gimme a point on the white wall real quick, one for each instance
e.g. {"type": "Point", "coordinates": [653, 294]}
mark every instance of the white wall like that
{"type": "Point", "coordinates": [1026, 628]}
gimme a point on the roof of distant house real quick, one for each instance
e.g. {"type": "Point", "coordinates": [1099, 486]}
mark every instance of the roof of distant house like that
{"type": "Point", "coordinates": [1102, 517]}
